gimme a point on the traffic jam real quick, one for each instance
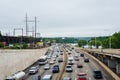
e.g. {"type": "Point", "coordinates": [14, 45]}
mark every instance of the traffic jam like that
{"type": "Point", "coordinates": [78, 66]}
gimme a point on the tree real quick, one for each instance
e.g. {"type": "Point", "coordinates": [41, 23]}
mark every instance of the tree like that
{"type": "Point", "coordinates": [82, 43]}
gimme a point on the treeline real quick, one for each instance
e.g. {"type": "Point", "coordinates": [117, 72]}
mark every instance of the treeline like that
{"type": "Point", "coordinates": [106, 42]}
{"type": "Point", "coordinates": [60, 40]}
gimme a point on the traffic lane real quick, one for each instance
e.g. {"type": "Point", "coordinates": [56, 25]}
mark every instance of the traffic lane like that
{"type": "Point", "coordinates": [54, 75]}
{"type": "Point", "coordinates": [87, 68]}
{"type": "Point", "coordinates": [71, 74]}
{"type": "Point", "coordinates": [106, 75]}
{"type": "Point", "coordinates": [43, 72]}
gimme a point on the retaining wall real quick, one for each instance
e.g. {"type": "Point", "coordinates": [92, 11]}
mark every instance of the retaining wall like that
{"type": "Point", "coordinates": [12, 61]}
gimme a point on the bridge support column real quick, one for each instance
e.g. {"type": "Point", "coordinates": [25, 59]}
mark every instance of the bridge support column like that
{"type": "Point", "coordinates": [105, 60]}
{"type": "Point", "coordinates": [112, 63]}
{"type": "Point", "coordinates": [118, 66]}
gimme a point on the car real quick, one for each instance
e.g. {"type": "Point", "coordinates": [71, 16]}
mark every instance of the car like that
{"type": "Point", "coordinates": [86, 60]}
{"type": "Point", "coordinates": [47, 77]}
{"type": "Point", "coordinates": [69, 68]}
{"type": "Point", "coordinates": [36, 77]}
{"type": "Point", "coordinates": [47, 66]}
{"type": "Point", "coordinates": [33, 70]}
{"type": "Point", "coordinates": [52, 62]}
{"type": "Point", "coordinates": [70, 58]}
{"type": "Point", "coordinates": [61, 53]}
{"type": "Point", "coordinates": [70, 62]}
{"type": "Point", "coordinates": [79, 65]}
{"type": "Point", "coordinates": [69, 53]}
{"type": "Point", "coordinates": [55, 69]}
{"type": "Point", "coordinates": [76, 58]}
{"type": "Point", "coordinates": [60, 60]}
{"type": "Point", "coordinates": [81, 54]}
{"type": "Point", "coordinates": [54, 59]}
{"type": "Point", "coordinates": [82, 76]}
{"type": "Point", "coordinates": [97, 74]}
{"type": "Point", "coordinates": [66, 78]}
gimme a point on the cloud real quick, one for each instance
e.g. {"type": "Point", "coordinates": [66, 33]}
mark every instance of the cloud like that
{"type": "Point", "coordinates": [62, 17]}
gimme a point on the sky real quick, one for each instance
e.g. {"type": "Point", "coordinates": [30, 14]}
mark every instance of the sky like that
{"type": "Point", "coordinates": [61, 18]}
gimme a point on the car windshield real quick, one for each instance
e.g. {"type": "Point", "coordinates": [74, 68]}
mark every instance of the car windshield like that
{"type": "Point", "coordinates": [33, 68]}
{"type": "Point", "coordinates": [97, 72]}
{"type": "Point", "coordinates": [68, 66]}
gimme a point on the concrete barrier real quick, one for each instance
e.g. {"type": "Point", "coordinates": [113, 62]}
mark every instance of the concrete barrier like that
{"type": "Point", "coordinates": [62, 70]}
{"type": "Point", "coordinates": [105, 67]}
{"type": "Point", "coordinates": [12, 61]}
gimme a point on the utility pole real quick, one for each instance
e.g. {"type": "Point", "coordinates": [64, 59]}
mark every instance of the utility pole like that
{"type": "Point", "coordinates": [26, 25]}
{"type": "Point", "coordinates": [35, 28]}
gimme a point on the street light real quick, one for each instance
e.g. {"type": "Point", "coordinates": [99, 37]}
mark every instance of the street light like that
{"type": "Point", "coordinates": [109, 38]}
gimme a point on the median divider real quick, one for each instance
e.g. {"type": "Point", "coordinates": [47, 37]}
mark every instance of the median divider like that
{"type": "Point", "coordinates": [104, 66]}
{"type": "Point", "coordinates": [62, 70]}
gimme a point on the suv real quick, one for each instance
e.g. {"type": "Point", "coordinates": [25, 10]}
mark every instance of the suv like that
{"type": "Point", "coordinates": [97, 74]}
{"type": "Point", "coordinates": [33, 70]}
{"type": "Point", "coordinates": [55, 69]}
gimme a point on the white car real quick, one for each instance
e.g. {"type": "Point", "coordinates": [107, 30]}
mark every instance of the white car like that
{"type": "Point", "coordinates": [69, 68]}
{"type": "Point", "coordinates": [47, 66]}
{"type": "Point", "coordinates": [51, 62]}
{"type": "Point", "coordinates": [47, 77]}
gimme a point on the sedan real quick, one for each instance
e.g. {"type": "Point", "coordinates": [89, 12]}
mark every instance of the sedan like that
{"type": "Point", "coordinates": [33, 70]}
{"type": "Point", "coordinates": [82, 76]}
{"type": "Point", "coordinates": [66, 78]}
{"type": "Point", "coordinates": [97, 74]}
{"type": "Point", "coordinates": [47, 66]}
{"type": "Point", "coordinates": [51, 62]}
{"type": "Point", "coordinates": [69, 68]}
{"type": "Point", "coordinates": [79, 65]}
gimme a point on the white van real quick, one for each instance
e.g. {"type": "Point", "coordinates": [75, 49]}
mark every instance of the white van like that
{"type": "Point", "coordinates": [47, 77]}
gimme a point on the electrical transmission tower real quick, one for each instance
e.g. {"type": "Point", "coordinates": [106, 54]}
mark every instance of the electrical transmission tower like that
{"type": "Point", "coordinates": [34, 31]}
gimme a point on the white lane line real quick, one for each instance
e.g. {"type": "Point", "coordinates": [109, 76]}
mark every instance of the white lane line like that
{"type": "Point", "coordinates": [75, 74]}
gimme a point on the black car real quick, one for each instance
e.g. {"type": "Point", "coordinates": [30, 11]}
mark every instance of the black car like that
{"type": "Point", "coordinates": [81, 54]}
{"type": "Point", "coordinates": [98, 74]}
{"type": "Point", "coordinates": [86, 60]}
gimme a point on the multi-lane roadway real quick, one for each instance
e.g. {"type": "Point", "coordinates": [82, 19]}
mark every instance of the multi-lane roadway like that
{"type": "Point", "coordinates": [87, 68]}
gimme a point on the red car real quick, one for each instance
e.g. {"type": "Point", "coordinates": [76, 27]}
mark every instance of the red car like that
{"type": "Point", "coordinates": [79, 65]}
{"type": "Point", "coordinates": [82, 76]}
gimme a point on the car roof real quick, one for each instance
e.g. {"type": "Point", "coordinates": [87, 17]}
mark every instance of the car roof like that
{"type": "Point", "coordinates": [66, 78]}
{"type": "Point", "coordinates": [82, 74]}
{"type": "Point", "coordinates": [47, 76]}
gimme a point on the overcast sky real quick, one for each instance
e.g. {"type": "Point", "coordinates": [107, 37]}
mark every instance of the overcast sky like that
{"type": "Point", "coordinates": [61, 18]}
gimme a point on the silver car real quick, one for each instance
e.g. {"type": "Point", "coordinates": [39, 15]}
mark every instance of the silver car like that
{"type": "Point", "coordinates": [47, 66]}
{"type": "Point", "coordinates": [33, 70]}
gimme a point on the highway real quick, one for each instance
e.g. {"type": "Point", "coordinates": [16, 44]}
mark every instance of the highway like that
{"type": "Point", "coordinates": [43, 72]}
{"type": "Point", "coordinates": [88, 67]}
